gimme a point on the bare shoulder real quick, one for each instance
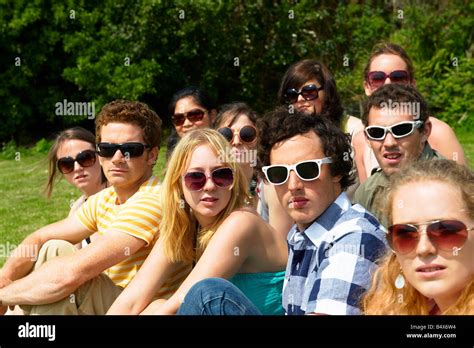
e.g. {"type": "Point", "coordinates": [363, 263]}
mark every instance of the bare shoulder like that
{"type": "Point", "coordinates": [243, 221]}
{"type": "Point", "coordinates": [440, 128]}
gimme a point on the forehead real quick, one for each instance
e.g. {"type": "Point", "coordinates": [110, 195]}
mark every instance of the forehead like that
{"type": "Point", "coordinates": [72, 147]}
{"type": "Point", "coordinates": [439, 201]}
{"type": "Point", "coordinates": [186, 104]}
{"type": "Point", "coordinates": [387, 117]}
{"type": "Point", "coordinates": [387, 63]}
{"type": "Point", "coordinates": [298, 148]}
{"type": "Point", "coordinates": [121, 133]}
{"type": "Point", "coordinates": [237, 122]}
{"type": "Point", "coordinates": [203, 157]}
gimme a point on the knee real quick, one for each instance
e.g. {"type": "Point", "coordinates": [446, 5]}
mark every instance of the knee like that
{"type": "Point", "coordinates": [55, 247]}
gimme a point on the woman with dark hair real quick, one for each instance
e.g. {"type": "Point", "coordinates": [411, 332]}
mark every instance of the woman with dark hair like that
{"type": "Point", "coordinates": [74, 155]}
{"type": "Point", "coordinates": [389, 63]}
{"type": "Point", "coordinates": [309, 87]}
{"type": "Point", "coordinates": [237, 123]}
{"type": "Point", "coordinates": [189, 108]}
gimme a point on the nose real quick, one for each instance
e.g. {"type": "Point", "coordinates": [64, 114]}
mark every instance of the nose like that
{"type": "Point", "coordinates": [425, 247]}
{"type": "Point", "coordinates": [118, 157]}
{"type": "Point", "coordinates": [294, 182]}
{"type": "Point", "coordinates": [390, 140]}
{"type": "Point", "coordinates": [209, 186]}
{"type": "Point", "coordinates": [300, 98]}
{"type": "Point", "coordinates": [77, 166]}
{"type": "Point", "coordinates": [235, 139]}
{"type": "Point", "coordinates": [387, 81]}
{"type": "Point", "coordinates": [187, 123]}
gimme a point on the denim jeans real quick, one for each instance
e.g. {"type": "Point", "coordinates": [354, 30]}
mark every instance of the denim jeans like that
{"type": "Point", "coordinates": [216, 296]}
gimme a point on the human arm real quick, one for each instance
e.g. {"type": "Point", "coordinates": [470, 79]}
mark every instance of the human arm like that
{"type": "Point", "coordinates": [62, 275]}
{"type": "Point", "coordinates": [360, 144]}
{"type": "Point", "coordinates": [230, 247]}
{"type": "Point", "coordinates": [278, 217]}
{"type": "Point", "coordinates": [443, 139]}
{"type": "Point", "coordinates": [150, 278]}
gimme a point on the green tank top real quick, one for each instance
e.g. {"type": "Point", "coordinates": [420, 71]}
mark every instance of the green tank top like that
{"type": "Point", "coordinates": [263, 289]}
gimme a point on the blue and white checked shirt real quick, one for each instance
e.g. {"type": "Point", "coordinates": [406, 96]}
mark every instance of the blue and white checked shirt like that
{"type": "Point", "coordinates": [330, 263]}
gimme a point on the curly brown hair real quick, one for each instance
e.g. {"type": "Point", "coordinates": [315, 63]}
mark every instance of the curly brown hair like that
{"type": "Point", "coordinates": [134, 112]}
{"type": "Point", "coordinates": [281, 124]}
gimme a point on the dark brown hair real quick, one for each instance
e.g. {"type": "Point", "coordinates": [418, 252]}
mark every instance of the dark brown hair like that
{"type": "Point", "coordinates": [390, 48]}
{"type": "Point", "coordinates": [281, 124]}
{"type": "Point", "coordinates": [134, 112]}
{"type": "Point", "coordinates": [231, 111]}
{"type": "Point", "coordinates": [393, 94]}
{"type": "Point", "coordinates": [75, 133]}
{"type": "Point", "coordinates": [309, 69]}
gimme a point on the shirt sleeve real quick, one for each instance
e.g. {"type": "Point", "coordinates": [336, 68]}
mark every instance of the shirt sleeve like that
{"type": "Point", "coordinates": [87, 213]}
{"type": "Point", "coordinates": [344, 274]}
{"type": "Point", "coordinates": [140, 217]}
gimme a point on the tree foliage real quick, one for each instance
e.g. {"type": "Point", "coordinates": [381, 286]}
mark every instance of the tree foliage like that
{"type": "Point", "coordinates": [85, 51]}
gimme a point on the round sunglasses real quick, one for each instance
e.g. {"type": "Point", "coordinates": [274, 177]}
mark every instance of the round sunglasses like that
{"type": "Point", "coordinates": [377, 79]}
{"type": "Point", "coordinates": [221, 177]}
{"type": "Point", "coordinates": [308, 92]}
{"type": "Point", "coordinates": [85, 158]}
{"type": "Point", "coordinates": [310, 170]}
{"type": "Point", "coordinates": [398, 130]}
{"type": "Point", "coordinates": [247, 134]}
{"type": "Point", "coordinates": [447, 235]}
{"type": "Point", "coordinates": [132, 149]}
{"type": "Point", "coordinates": [193, 116]}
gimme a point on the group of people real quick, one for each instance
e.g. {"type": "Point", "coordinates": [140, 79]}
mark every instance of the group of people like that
{"type": "Point", "coordinates": [305, 210]}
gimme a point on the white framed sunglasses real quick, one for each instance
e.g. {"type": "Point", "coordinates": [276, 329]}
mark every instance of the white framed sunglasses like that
{"type": "Point", "coordinates": [398, 130]}
{"type": "Point", "coordinates": [309, 170]}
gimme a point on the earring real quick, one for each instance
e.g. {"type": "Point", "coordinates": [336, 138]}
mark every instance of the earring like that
{"type": "Point", "coordinates": [400, 280]}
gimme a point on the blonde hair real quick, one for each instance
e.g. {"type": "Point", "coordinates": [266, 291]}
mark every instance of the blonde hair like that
{"type": "Point", "coordinates": [383, 297]}
{"type": "Point", "coordinates": [178, 229]}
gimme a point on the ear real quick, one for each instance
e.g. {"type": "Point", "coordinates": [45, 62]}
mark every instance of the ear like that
{"type": "Point", "coordinates": [367, 89]}
{"type": "Point", "coordinates": [336, 179]}
{"type": "Point", "coordinates": [426, 131]}
{"type": "Point", "coordinates": [413, 82]}
{"type": "Point", "coordinates": [153, 156]}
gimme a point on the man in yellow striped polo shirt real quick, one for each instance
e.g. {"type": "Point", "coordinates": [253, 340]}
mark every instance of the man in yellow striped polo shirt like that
{"type": "Point", "coordinates": [59, 279]}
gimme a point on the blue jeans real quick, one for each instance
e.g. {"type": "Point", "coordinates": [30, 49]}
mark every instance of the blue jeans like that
{"type": "Point", "coordinates": [216, 296]}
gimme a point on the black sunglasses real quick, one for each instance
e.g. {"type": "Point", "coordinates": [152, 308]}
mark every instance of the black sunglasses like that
{"type": "Point", "coordinates": [247, 133]}
{"type": "Point", "coordinates": [308, 92]}
{"type": "Point", "coordinates": [310, 170]}
{"type": "Point", "coordinates": [132, 149]}
{"type": "Point", "coordinates": [193, 116]}
{"type": "Point", "coordinates": [85, 158]}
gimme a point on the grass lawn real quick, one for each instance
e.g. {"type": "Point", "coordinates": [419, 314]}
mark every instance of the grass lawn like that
{"type": "Point", "coordinates": [24, 208]}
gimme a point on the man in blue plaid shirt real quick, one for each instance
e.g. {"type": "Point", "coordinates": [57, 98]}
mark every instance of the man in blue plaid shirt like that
{"type": "Point", "coordinates": [333, 245]}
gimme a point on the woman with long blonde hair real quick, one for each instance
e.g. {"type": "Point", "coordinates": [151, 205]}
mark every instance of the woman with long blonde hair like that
{"type": "Point", "coordinates": [430, 208]}
{"type": "Point", "coordinates": [205, 223]}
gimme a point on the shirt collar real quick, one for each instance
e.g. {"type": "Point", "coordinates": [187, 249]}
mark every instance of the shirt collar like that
{"type": "Point", "coordinates": [328, 219]}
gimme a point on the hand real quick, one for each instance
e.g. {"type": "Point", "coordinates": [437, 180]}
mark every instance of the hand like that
{"type": "Point", "coordinates": [4, 281]}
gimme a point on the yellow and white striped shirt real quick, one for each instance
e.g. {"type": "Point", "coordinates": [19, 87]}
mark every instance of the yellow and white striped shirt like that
{"type": "Point", "coordinates": [140, 217]}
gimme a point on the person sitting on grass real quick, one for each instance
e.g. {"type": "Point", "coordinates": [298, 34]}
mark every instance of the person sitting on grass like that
{"type": "Point", "coordinates": [207, 222]}
{"type": "Point", "coordinates": [430, 270]}
{"type": "Point", "coordinates": [74, 155]}
{"type": "Point", "coordinates": [397, 128]}
{"type": "Point", "coordinates": [56, 278]}
{"type": "Point", "coordinates": [333, 244]}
